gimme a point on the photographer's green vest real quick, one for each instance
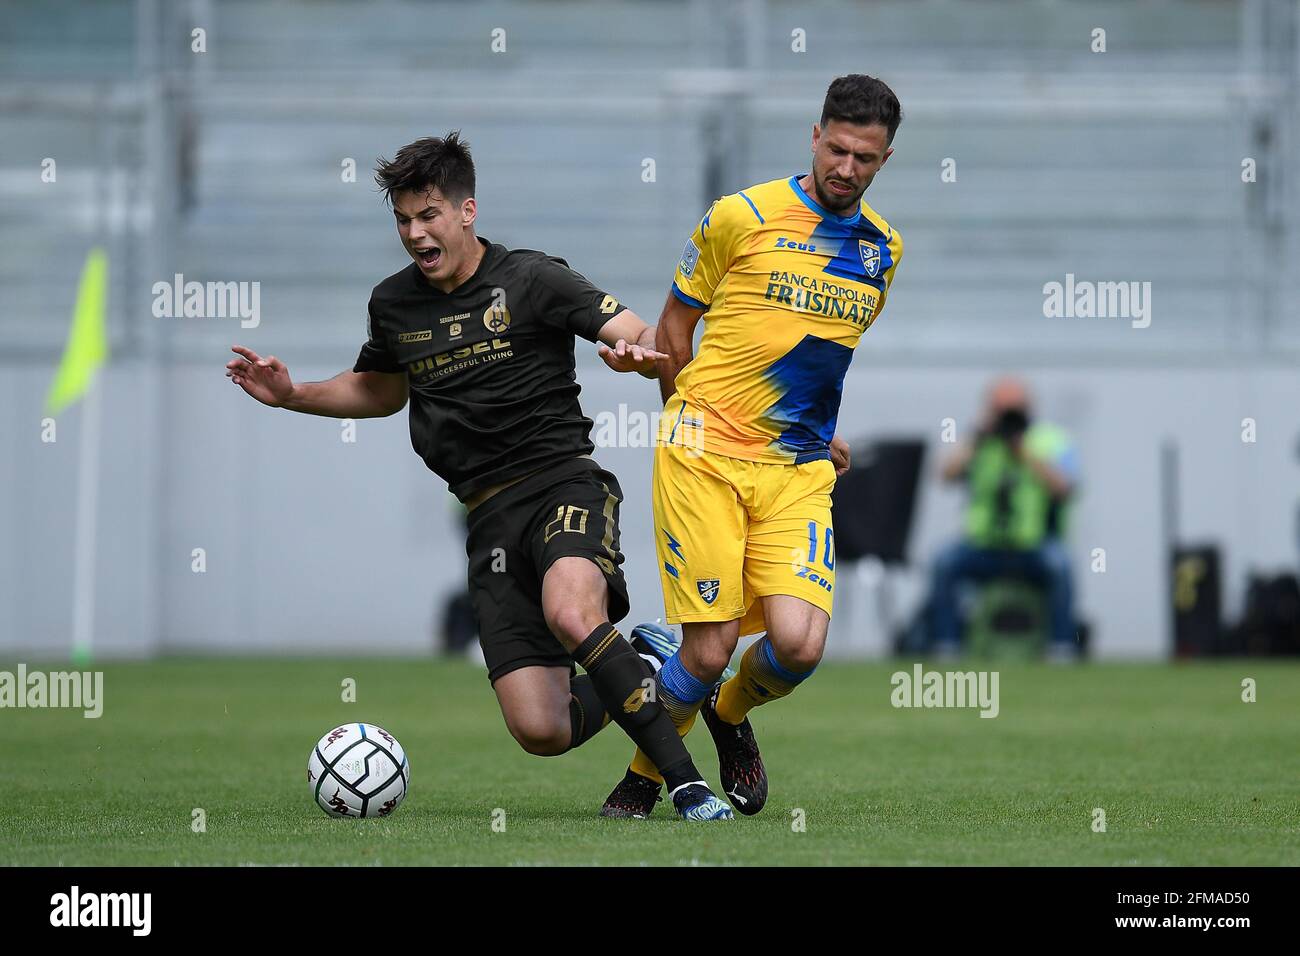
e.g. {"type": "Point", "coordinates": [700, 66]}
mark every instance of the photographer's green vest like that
{"type": "Point", "coordinates": [1010, 507]}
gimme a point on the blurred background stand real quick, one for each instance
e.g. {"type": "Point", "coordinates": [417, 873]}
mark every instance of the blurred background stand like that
{"type": "Point", "coordinates": [873, 507]}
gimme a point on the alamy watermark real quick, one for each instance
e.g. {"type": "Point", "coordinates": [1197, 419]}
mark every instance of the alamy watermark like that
{"type": "Point", "coordinates": [75, 908]}
{"type": "Point", "coordinates": [179, 299]}
{"type": "Point", "coordinates": [80, 690]}
{"type": "Point", "coordinates": [922, 688]}
{"type": "Point", "coordinates": [1084, 299]}
{"type": "Point", "coordinates": [632, 428]}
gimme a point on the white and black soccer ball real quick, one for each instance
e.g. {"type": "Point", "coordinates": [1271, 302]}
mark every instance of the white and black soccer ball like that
{"type": "Point", "coordinates": [358, 770]}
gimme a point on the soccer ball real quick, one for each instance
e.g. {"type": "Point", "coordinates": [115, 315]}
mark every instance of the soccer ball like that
{"type": "Point", "coordinates": [358, 770]}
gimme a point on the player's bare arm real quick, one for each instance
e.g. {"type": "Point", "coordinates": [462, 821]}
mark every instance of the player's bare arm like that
{"type": "Point", "coordinates": [627, 344]}
{"type": "Point", "coordinates": [347, 395]}
{"type": "Point", "coordinates": [675, 337]}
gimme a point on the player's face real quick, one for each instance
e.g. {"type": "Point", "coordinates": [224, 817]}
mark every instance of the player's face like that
{"type": "Point", "coordinates": [433, 230]}
{"type": "Point", "coordinates": [846, 157]}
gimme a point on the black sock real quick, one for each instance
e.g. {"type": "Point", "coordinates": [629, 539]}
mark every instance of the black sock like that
{"type": "Point", "coordinates": [618, 674]}
{"type": "Point", "coordinates": [587, 714]}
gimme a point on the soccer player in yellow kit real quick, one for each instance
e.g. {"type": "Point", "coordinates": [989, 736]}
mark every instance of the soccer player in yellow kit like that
{"type": "Point", "coordinates": [787, 275]}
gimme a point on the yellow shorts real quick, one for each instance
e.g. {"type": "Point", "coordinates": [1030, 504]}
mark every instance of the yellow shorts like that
{"type": "Point", "coordinates": [729, 531]}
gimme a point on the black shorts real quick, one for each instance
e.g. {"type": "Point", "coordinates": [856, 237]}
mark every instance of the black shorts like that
{"type": "Point", "coordinates": [567, 510]}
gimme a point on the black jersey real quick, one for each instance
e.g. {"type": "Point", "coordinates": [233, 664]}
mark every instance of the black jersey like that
{"type": "Point", "coordinates": [494, 395]}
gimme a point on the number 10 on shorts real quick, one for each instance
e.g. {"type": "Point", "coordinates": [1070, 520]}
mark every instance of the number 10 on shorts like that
{"type": "Point", "coordinates": [827, 549]}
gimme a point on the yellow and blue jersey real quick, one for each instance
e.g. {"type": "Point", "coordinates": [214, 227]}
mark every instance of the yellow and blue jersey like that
{"type": "Point", "coordinates": [789, 288]}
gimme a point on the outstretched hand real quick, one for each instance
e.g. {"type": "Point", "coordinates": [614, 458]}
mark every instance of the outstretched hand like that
{"type": "Point", "coordinates": [630, 357]}
{"type": "Point", "coordinates": [266, 379]}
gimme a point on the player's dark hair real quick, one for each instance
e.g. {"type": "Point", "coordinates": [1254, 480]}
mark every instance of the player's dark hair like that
{"type": "Point", "coordinates": [863, 100]}
{"type": "Point", "coordinates": [429, 163]}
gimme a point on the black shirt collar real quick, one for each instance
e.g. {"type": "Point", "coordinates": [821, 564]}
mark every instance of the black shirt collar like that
{"type": "Point", "coordinates": [490, 253]}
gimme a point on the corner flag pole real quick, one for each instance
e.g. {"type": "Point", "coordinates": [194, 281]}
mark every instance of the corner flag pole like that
{"type": "Point", "coordinates": [86, 544]}
{"type": "Point", "coordinates": [86, 350]}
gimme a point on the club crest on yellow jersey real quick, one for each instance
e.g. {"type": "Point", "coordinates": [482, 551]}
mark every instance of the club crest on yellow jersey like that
{"type": "Point", "coordinates": [870, 253]}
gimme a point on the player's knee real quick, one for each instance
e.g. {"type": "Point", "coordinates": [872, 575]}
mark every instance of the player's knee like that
{"type": "Point", "coordinates": [711, 660]}
{"type": "Point", "coordinates": [801, 655]}
{"type": "Point", "coordinates": [540, 735]}
{"type": "Point", "coordinates": [572, 624]}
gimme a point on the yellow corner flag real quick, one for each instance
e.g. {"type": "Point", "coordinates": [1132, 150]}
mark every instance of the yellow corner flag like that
{"type": "Point", "coordinates": [87, 346]}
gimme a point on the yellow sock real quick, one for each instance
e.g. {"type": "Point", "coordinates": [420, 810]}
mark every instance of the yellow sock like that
{"type": "Point", "coordinates": [645, 766]}
{"type": "Point", "coordinates": [759, 680]}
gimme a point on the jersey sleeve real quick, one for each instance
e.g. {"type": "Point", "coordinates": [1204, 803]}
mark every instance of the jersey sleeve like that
{"type": "Point", "coordinates": [896, 255]}
{"type": "Point", "coordinates": [375, 356]}
{"type": "Point", "coordinates": [566, 300]}
{"type": "Point", "coordinates": [711, 249]}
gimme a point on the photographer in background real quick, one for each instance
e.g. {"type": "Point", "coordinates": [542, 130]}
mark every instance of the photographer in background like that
{"type": "Point", "coordinates": [1020, 474]}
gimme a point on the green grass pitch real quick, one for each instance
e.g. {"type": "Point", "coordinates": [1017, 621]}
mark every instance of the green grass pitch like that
{"type": "Point", "coordinates": [1186, 772]}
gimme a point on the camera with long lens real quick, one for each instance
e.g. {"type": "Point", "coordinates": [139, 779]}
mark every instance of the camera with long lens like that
{"type": "Point", "coordinates": [1011, 424]}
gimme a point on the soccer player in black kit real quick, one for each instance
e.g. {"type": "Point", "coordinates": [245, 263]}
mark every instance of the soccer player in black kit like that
{"type": "Point", "coordinates": [481, 340]}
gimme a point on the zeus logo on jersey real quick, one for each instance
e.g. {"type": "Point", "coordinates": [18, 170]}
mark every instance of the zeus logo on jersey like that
{"type": "Point", "coordinates": [813, 576]}
{"type": "Point", "coordinates": [708, 589]}
{"type": "Point", "coordinates": [783, 243]}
